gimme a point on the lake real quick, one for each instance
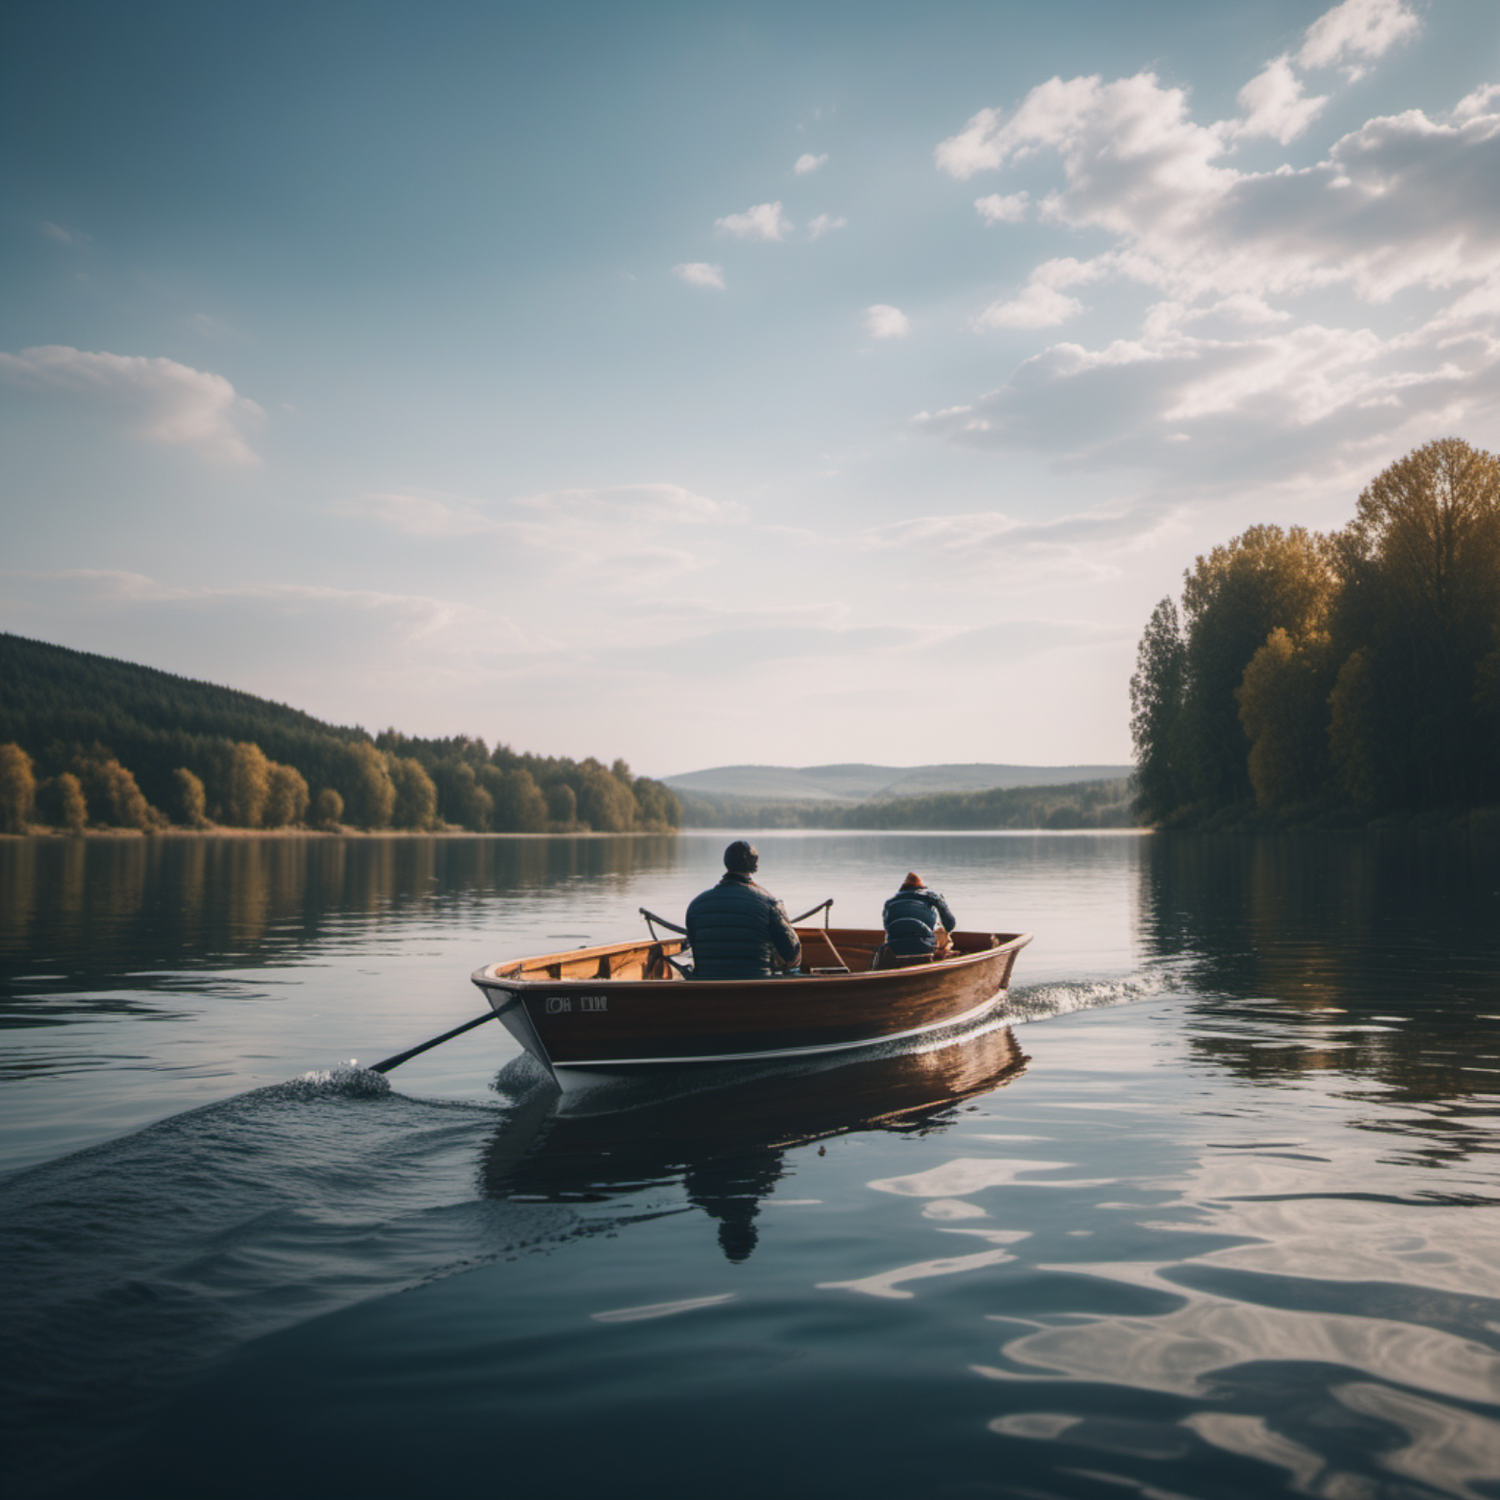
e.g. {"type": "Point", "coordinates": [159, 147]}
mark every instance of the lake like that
{"type": "Point", "coordinates": [1215, 1214]}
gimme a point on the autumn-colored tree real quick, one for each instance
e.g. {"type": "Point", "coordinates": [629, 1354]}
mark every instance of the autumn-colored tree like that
{"type": "Point", "coordinates": [369, 793]}
{"type": "Point", "coordinates": [1420, 600]}
{"type": "Point", "coordinates": [1283, 700]}
{"type": "Point", "coordinates": [112, 793]}
{"type": "Point", "coordinates": [416, 797]}
{"type": "Point", "coordinates": [70, 807]}
{"type": "Point", "coordinates": [1232, 600]}
{"type": "Point", "coordinates": [192, 799]}
{"type": "Point", "coordinates": [17, 789]}
{"type": "Point", "coordinates": [249, 785]}
{"type": "Point", "coordinates": [1156, 696]}
{"type": "Point", "coordinates": [286, 797]}
{"type": "Point", "coordinates": [328, 808]}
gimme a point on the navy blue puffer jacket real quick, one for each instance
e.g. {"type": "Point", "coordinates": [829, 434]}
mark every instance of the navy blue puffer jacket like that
{"type": "Point", "coordinates": [737, 930]}
{"type": "Point", "coordinates": [911, 918]}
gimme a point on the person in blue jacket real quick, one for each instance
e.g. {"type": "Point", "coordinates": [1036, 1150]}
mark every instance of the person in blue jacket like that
{"type": "Point", "coordinates": [911, 919]}
{"type": "Point", "coordinates": [737, 929]}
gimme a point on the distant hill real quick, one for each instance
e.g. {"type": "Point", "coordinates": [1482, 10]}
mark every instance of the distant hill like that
{"type": "Point", "coordinates": [853, 784]}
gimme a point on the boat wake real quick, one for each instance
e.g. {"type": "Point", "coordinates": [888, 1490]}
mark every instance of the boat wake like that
{"type": "Point", "coordinates": [1040, 1002]}
{"type": "Point", "coordinates": [219, 1225]}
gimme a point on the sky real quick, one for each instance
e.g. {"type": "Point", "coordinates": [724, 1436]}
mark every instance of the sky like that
{"type": "Point", "coordinates": [717, 383]}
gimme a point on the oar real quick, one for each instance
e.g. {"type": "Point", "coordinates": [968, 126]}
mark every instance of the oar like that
{"type": "Point", "coordinates": [447, 1036]}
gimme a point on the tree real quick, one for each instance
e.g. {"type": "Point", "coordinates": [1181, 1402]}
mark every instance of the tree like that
{"type": "Point", "coordinates": [328, 808]}
{"type": "Point", "coordinates": [249, 785]}
{"type": "Point", "coordinates": [1232, 600]}
{"type": "Point", "coordinates": [1283, 700]}
{"type": "Point", "coordinates": [113, 795]}
{"type": "Point", "coordinates": [605, 801]}
{"type": "Point", "coordinates": [1156, 695]}
{"type": "Point", "coordinates": [286, 796]}
{"type": "Point", "coordinates": [416, 797]}
{"type": "Point", "coordinates": [461, 798]}
{"type": "Point", "coordinates": [1420, 569]}
{"type": "Point", "coordinates": [192, 800]}
{"type": "Point", "coordinates": [519, 806]}
{"type": "Point", "coordinates": [71, 807]}
{"type": "Point", "coordinates": [369, 793]}
{"type": "Point", "coordinates": [17, 789]}
{"type": "Point", "coordinates": [562, 807]}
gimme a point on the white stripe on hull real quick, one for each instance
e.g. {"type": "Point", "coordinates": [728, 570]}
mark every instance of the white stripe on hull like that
{"type": "Point", "coordinates": [613, 1064]}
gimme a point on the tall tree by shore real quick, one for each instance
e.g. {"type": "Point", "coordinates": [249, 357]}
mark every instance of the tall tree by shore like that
{"type": "Point", "coordinates": [1356, 672]}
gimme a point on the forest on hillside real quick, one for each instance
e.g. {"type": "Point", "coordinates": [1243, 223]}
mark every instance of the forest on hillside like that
{"type": "Point", "coordinates": [88, 741]}
{"type": "Point", "coordinates": [1081, 804]}
{"type": "Point", "coordinates": [1315, 678]}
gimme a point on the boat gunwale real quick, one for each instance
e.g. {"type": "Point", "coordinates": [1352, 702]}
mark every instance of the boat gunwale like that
{"type": "Point", "coordinates": [507, 973]}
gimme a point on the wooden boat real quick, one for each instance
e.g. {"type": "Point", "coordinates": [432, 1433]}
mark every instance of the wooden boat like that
{"type": "Point", "coordinates": [624, 1006]}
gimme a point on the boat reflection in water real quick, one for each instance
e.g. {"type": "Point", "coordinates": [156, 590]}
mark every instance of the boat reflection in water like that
{"type": "Point", "coordinates": [722, 1131]}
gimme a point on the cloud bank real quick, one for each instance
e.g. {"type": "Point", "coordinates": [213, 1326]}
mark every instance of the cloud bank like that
{"type": "Point", "coordinates": [158, 400]}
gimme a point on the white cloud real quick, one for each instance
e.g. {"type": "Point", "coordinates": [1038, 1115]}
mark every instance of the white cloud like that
{"type": "Point", "coordinates": [763, 222]}
{"type": "Point", "coordinates": [1241, 364]}
{"type": "Point", "coordinates": [1275, 105]}
{"type": "Point", "coordinates": [1356, 31]}
{"type": "Point", "coordinates": [807, 162]}
{"type": "Point", "coordinates": [631, 504]}
{"type": "Point", "coordinates": [419, 515]}
{"type": "Point", "coordinates": [820, 226]}
{"type": "Point", "coordinates": [1043, 303]}
{"type": "Point", "coordinates": [160, 400]}
{"type": "Point", "coordinates": [700, 273]}
{"type": "Point", "coordinates": [885, 322]}
{"type": "Point", "coordinates": [1000, 208]}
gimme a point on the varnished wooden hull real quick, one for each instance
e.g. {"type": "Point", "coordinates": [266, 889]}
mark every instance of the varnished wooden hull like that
{"type": "Point", "coordinates": [621, 1006]}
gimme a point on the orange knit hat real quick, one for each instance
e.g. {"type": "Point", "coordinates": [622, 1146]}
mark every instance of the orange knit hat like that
{"type": "Point", "coordinates": [912, 879]}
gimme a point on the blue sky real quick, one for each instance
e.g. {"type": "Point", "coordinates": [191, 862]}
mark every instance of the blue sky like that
{"type": "Point", "coordinates": [703, 383]}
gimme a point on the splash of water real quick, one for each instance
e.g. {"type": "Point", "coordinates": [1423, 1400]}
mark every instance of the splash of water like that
{"type": "Point", "coordinates": [1039, 1002]}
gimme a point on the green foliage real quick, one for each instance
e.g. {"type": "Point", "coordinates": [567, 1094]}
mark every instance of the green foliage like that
{"type": "Point", "coordinates": [1359, 671]}
{"type": "Point", "coordinates": [1232, 600]}
{"type": "Point", "coordinates": [415, 806]}
{"type": "Point", "coordinates": [517, 801]}
{"type": "Point", "coordinates": [1156, 699]}
{"type": "Point", "coordinates": [286, 797]}
{"type": "Point", "coordinates": [1282, 699]}
{"type": "Point", "coordinates": [368, 791]}
{"type": "Point", "coordinates": [1084, 804]}
{"type": "Point", "coordinates": [192, 801]}
{"type": "Point", "coordinates": [328, 808]}
{"type": "Point", "coordinates": [17, 789]}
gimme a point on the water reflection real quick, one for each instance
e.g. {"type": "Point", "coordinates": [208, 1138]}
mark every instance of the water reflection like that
{"type": "Point", "coordinates": [101, 906]}
{"type": "Point", "coordinates": [1365, 954]}
{"type": "Point", "coordinates": [722, 1136]}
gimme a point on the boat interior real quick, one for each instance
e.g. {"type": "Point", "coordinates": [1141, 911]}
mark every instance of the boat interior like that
{"type": "Point", "coordinates": [825, 951]}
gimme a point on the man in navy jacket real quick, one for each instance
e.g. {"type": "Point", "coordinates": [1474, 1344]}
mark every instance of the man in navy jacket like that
{"type": "Point", "coordinates": [738, 930]}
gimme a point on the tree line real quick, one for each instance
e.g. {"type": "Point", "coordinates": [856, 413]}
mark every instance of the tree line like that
{"type": "Point", "coordinates": [89, 741]}
{"type": "Point", "coordinates": [1311, 677]}
{"type": "Point", "coordinates": [1083, 804]}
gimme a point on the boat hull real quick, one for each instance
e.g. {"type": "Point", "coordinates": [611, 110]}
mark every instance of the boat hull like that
{"type": "Point", "coordinates": [600, 1019]}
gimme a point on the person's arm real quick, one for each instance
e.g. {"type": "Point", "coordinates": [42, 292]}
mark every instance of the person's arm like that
{"type": "Point", "coordinates": [786, 942]}
{"type": "Point", "coordinates": [945, 912]}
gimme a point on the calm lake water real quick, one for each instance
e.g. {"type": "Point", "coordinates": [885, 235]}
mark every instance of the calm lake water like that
{"type": "Point", "coordinates": [1216, 1215]}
